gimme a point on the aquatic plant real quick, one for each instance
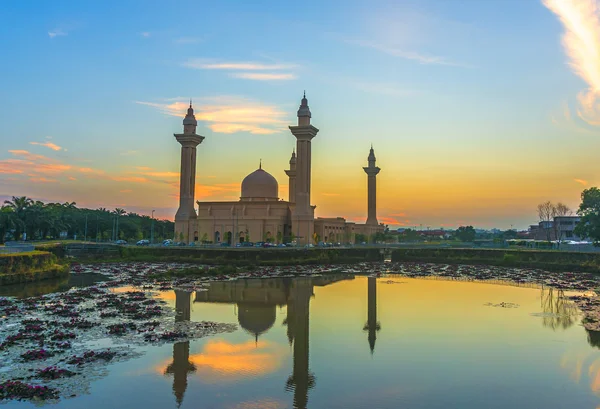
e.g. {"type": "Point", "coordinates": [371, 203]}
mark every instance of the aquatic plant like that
{"type": "Point", "coordinates": [22, 391]}
{"type": "Point", "coordinates": [36, 354]}
{"type": "Point", "coordinates": [52, 372]}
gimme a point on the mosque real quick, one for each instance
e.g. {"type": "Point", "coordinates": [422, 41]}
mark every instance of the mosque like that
{"type": "Point", "coordinates": [260, 214]}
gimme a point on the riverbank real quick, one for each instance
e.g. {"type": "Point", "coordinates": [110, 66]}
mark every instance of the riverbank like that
{"type": "Point", "coordinates": [548, 260]}
{"type": "Point", "coordinates": [31, 266]}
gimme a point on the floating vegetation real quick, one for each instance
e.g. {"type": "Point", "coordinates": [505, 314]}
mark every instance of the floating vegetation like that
{"type": "Point", "coordinates": [502, 305]}
{"type": "Point", "coordinates": [22, 391]}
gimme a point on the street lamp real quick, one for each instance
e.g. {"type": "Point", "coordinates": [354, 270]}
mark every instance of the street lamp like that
{"type": "Point", "coordinates": [152, 229]}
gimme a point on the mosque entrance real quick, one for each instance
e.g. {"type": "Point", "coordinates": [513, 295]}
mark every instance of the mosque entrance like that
{"type": "Point", "coordinates": [242, 237]}
{"type": "Point", "coordinates": [217, 237]}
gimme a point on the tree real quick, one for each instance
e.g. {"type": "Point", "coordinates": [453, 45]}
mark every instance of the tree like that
{"type": "Point", "coordinates": [547, 211]}
{"type": "Point", "coordinates": [8, 221]}
{"type": "Point", "coordinates": [589, 211]}
{"type": "Point", "coordinates": [19, 205]}
{"type": "Point", "coordinates": [465, 233]}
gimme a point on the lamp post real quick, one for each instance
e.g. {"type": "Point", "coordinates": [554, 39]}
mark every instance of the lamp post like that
{"type": "Point", "coordinates": [152, 229]}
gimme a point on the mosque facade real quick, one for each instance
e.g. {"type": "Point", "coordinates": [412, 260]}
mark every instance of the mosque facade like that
{"type": "Point", "coordinates": [260, 214]}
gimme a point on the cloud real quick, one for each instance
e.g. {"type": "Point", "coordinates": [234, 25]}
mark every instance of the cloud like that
{"type": "Point", "coordinates": [202, 64]}
{"type": "Point", "coordinates": [129, 153]}
{"type": "Point", "coordinates": [187, 40]}
{"type": "Point", "coordinates": [581, 42]}
{"type": "Point", "coordinates": [72, 178]}
{"type": "Point", "coordinates": [398, 214]}
{"type": "Point", "coordinates": [42, 180]}
{"type": "Point", "coordinates": [227, 114]}
{"type": "Point", "coordinates": [203, 191]}
{"type": "Point", "coordinates": [132, 179]}
{"type": "Point", "coordinates": [56, 32]}
{"type": "Point", "coordinates": [145, 34]}
{"type": "Point", "coordinates": [91, 171]}
{"type": "Point", "coordinates": [583, 182]}
{"type": "Point", "coordinates": [247, 70]}
{"type": "Point", "coordinates": [48, 145]}
{"type": "Point", "coordinates": [162, 174]}
{"type": "Point", "coordinates": [259, 76]}
{"type": "Point", "coordinates": [409, 55]}
{"type": "Point", "coordinates": [8, 168]}
{"type": "Point", "coordinates": [32, 163]}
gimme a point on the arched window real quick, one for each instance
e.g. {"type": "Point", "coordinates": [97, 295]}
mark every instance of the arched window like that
{"type": "Point", "coordinates": [217, 237]}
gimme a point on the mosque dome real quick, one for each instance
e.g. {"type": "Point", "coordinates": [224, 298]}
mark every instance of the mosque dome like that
{"type": "Point", "coordinates": [256, 318]}
{"type": "Point", "coordinates": [260, 184]}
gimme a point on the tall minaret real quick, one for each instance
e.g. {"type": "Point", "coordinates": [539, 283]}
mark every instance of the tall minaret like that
{"type": "Point", "coordinates": [372, 172]}
{"type": "Point", "coordinates": [372, 325]}
{"type": "Point", "coordinates": [304, 214]}
{"type": "Point", "coordinates": [187, 182]}
{"type": "Point", "coordinates": [292, 175]}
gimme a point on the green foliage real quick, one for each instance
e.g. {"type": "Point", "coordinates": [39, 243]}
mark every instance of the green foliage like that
{"type": "Point", "coordinates": [589, 211]}
{"type": "Point", "coordinates": [52, 220]}
{"type": "Point", "coordinates": [465, 233]}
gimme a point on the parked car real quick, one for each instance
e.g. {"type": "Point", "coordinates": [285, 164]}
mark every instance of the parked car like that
{"type": "Point", "coordinates": [167, 242]}
{"type": "Point", "coordinates": [143, 243]}
{"type": "Point", "coordinates": [120, 242]}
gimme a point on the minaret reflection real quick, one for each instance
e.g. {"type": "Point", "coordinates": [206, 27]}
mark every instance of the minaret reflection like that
{"type": "Point", "coordinates": [301, 380]}
{"type": "Point", "coordinates": [372, 325]}
{"type": "Point", "coordinates": [257, 301]}
{"type": "Point", "coordinates": [181, 366]}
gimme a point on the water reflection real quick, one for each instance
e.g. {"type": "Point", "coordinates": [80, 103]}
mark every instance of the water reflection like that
{"type": "Point", "coordinates": [372, 325]}
{"type": "Point", "coordinates": [559, 311]}
{"type": "Point", "coordinates": [181, 365]}
{"type": "Point", "coordinates": [257, 301]}
{"type": "Point", "coordinates": [37, 288]}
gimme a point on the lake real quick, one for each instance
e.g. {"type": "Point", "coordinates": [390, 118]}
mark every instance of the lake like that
{"type": "Point", "coordinates": [345, 341]}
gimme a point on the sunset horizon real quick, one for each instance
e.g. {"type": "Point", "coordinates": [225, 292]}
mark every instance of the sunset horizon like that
{"type": "Point", "coordinates": [469, 126]}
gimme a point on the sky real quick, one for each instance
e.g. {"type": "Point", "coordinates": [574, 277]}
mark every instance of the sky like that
{"type": "Point", "coordinates": [477, 110]}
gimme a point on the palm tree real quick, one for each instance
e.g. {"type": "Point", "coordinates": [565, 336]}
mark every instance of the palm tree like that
{"type": "Point", "coordinates": [19, 205]}
{"type": "Point", "coordinates": [118, 212]}
{"type": "Point", "coordinates": [8, 221]}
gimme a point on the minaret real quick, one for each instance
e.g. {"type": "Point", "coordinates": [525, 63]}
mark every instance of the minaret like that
{"type": "Point", "coordinates": [302, 379]}
{"type": "Point", "coordinates": [372, 325]}
{"type": "Point", "coordinates": [372, 172]}
{"type": "Point", "coordinates": [304, 214]}
{"type": "Point", "coordinates": [181, 365]}
{"type": "Point", "coordinates": [187, 181]}
{"type": "Point", "coordinates": [292, 175]}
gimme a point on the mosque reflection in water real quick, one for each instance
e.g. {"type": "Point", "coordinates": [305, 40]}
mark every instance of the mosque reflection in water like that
{"type": "Point", "coordinates": [256, 302]}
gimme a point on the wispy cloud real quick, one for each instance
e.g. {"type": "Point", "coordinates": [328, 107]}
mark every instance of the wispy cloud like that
{"type": "Point", "coordinates": [406, 54]}
{"type": "Point", "coordinates": [187, 40]}
{"type": "Point", "coordinates": [581, 42]}
{"type": "Point", "coordinates": [129, 153]}
{"type": "Point", "coordinates": [583, 182]}
{"type": "Point", "coordinates": [42, 180]}
{"type": "Point", "coordinates": [260, 76]}
{"type": "Point", "coordinates": [131, 179]}
{"type": "Point", "coordinates": [48, 145]}
{"type": "Point", "coordinates": [230, 114]}
{"type": "Point", "coordinates": [56, 33]}
{"type": "Point", "coordinates": [91, 171]}
{"type": "Point", "coordinates": [246, 70]}
{"type": "Point", "coordinates": [145, 34]}
{"type": "Point", "coordinates": [203, 64]}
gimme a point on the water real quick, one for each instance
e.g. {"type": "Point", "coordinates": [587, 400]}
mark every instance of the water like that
{"type": "Point", "coordinates": [364, 342]}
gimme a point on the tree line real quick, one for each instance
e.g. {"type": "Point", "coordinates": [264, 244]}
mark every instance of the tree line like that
{"type": "Point", "coordinates": [23, 218]}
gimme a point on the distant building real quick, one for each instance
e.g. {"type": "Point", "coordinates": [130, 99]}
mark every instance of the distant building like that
{"type": "Point", "coordinates": [561, 228]}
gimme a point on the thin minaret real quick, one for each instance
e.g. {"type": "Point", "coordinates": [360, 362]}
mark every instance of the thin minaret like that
{"type": "Point", "coordinates": [372, 172]}
{"type": "Point", "coordinates": [189, 140]}
{"type": "Point", "coordinates": [292, 175]}
{"type": "Point", "coordinates": [372, 325]}
{"type": "Point", "coordinates": [304, 214]}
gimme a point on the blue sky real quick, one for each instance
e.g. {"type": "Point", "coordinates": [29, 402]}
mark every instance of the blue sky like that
{"type": "Point", "coordinates": [471, 105]}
